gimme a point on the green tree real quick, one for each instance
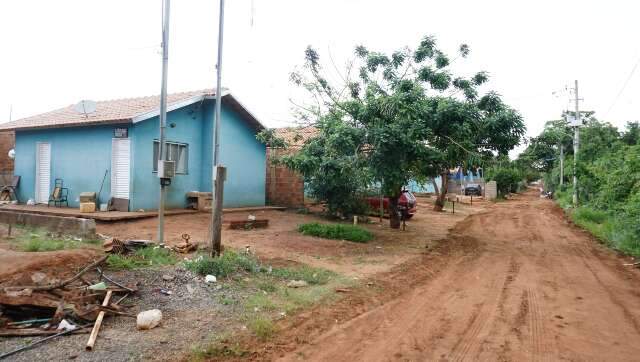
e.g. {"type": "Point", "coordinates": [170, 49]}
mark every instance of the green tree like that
{"type": "Point", "coordinates": [632, 135]}
{"type": "Point", "coordinates": [407, 117]}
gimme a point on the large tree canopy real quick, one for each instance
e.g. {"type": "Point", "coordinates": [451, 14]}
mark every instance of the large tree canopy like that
{"type": "Point", "coordinates": [397, 117]}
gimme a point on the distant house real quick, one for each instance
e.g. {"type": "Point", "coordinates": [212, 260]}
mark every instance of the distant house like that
{"type": "Point", "coordinates": [285, 187]}
{"type": "Point", "coordinates": [121, 139]}
{"type": "Point", "coordinates": [7, 142]}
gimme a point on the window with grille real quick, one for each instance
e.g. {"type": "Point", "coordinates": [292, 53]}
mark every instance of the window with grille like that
{"type": "Point", "coordinates": [173, 151]}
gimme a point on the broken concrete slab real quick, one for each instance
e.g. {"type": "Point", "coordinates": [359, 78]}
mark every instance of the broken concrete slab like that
{"type": "Point", "coordinates": [84, 228]}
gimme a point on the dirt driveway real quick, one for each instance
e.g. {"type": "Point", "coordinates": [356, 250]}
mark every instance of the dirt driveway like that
{"type": "Point", "coordinates": [516, 282]}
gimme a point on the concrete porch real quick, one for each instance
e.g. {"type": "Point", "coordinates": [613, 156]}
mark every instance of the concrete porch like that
{"type": "Point", "coordinates": [111, 216]}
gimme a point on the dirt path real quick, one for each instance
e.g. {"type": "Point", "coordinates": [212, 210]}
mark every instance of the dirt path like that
{"type": "Point", "coordinates": [528, 286]}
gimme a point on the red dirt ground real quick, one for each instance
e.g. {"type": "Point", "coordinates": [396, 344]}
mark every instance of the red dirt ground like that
{"type": "Point", "coordinates": [282, 241]}
{"type": "Point", "coordinates": [517, 282]}
{"type": "Point", "coordinates": [16, 267]}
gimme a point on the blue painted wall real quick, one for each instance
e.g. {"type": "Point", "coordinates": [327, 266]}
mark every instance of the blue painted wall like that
{"type": "Point", "coordinates": [243, 155]}
{"type": "Point", "coordinates": [145, 188]}
{"type": "Point", "coordinates": [81, 155]}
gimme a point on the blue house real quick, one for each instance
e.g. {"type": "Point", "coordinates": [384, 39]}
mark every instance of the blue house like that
{"type": "Point", "coordinates": [117, 145]}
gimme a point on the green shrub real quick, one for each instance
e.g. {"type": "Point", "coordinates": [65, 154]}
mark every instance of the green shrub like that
{"type": "Point", "coordinates": [336, 231]}
{"type": "Point", "coordinates": [230, 262]}
{"type": "Point", "coordinates": [590, 215]}
{"type": "Point", "coordinates": [507, 180]}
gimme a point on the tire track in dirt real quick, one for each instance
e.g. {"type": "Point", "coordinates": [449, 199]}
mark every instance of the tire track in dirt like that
{"type": "Point", "coordinates": [536, 327]}
{"type": "Point", "coordinates": [482, 321]}
{"type": "Point", "coordinates": [529, 286]}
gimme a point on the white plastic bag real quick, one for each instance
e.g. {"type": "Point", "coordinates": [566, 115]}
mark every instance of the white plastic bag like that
{"type": "Point", "coordinates": [149, 319]}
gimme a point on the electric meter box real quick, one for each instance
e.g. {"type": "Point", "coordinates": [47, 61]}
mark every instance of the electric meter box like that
{"type": "Point", "coordinates": [166, 169]}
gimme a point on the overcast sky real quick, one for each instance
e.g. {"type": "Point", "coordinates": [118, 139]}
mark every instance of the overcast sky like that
{"type": "Point", "coordinates": [55, 53]}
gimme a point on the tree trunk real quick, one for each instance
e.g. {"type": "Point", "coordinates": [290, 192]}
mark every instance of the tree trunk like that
{"type": "Point", "coordinates": [439, 205]}
{"type": "Point", "coordinates": [394, 213]}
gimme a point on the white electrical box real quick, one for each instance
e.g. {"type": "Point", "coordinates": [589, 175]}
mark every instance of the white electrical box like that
{"type": "Point", "coordinates": [166, 169]}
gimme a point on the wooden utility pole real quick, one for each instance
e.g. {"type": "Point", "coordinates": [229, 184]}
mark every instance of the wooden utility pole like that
{"type": "Point", "coordinates": [216, 211]}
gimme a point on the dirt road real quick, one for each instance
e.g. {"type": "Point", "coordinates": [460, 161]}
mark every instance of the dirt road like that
{"type": "Point", "coordinates": [525, 285]}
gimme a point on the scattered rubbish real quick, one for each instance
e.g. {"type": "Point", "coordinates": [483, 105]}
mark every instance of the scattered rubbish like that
{"type": "Point", "coordinates": [297, 284]}
{"type": "Point", "coordinates": [31, 202]}
{"type": "Point", "coordinates": [38, 277]}
{"type": "Point", "coordinates": [19, 293]}
{"type": "Point", "coordinates": [168, 277]}
{"type": "Point", "coordinates": [165, 291]}
{"type": "Point", "coordinates": [52, 336]}
{"type": "Point", "coordinates": [343, 290]}
{"type": "Point", "coordinates": [247, 250]}
{"type": "Point", "coordinates": [66, 326]}
{"type": "Point", "coordinates": [251, 218]}
{"type": "Point", "coordinates": [148, 319]}
{"type": "Point", "coordinates": [632, 264]}
{"type": "Point", "coordinates": [248, 224]}
{"type": "Point", "coordinates": [102, 236]}
{"type": "Point", "coordinates": [29, 322]}
{"type": "Point", "coordinates": [117, 246]}
{"type": "Point", "coordinates": [98, 286]}
{"type": "Point", "coordinates": [185, 246]}
{"type": "Point", "coordinates": [210, 278]}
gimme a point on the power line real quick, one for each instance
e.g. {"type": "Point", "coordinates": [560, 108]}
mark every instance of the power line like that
{"type": "Point", "coordinates": [624, 86]}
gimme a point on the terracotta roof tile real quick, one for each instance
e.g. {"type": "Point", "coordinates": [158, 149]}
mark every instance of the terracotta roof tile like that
{"type": "Point", "coordinates": [107, 112]}
{"type": "Point", "coordinates": [296, 136]}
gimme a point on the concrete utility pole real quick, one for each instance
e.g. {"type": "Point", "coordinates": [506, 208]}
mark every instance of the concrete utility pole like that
{"type": "Point", "coordinates": [561, 164]}
{"type": "Point", "coordinates": [163, 114]}
{"type": "Point", "coordinates": [576, 146]}
{"type": "Point", "coordinates": [219, 172]}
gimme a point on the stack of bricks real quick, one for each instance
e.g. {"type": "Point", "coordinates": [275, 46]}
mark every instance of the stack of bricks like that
{"type": "Point", "coordinates": [284, 186]}
{"type": "Point", "coordinates": [7, 142]}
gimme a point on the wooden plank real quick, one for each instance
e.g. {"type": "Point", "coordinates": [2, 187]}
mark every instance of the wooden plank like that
{"type": "Point", "coordinates": [96, 326]}
{"type": "Point", "coordinates": [248, 224]}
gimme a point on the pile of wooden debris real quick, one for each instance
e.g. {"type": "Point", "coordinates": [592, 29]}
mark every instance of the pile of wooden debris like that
{"type": "Point", "coordinates": [53, 307]}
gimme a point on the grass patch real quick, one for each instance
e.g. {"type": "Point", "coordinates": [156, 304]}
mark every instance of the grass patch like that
{"type": "Point", "coordinates": [264, 294]}
{"type": "Point", "coordinates": [614, 231]}
{"type": "Point", "coordinates": [263, 327]}
{"type": "Point", "coordinates": [230, 262]}
{"type": "Point", "coordinates": [145, 257]}
{"type": "Point", "coordinates": [35, 240]}
{"type": "Point", "coordinates": [217, 348]}
{"type": "Point", "coordinates": [313, 276]}
{"type": "Point", "coordinates": [336, 231]}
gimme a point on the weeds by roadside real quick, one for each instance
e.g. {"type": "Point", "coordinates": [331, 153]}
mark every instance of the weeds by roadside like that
{"type": "Point", "coordinates": [219, 346]}
{"type": "Point", "coordinates": [614, 231]}
{"type": "Point", "coordinates": [145, 257]}
{"type": "Point", "coordinates": [35, 240]}
{"type": "Point", "coordinates": [336, 231]}
{"type": "Point", "coordinates": [230, 262]}
{"type": "Point", "coordinates": [271, 295]}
